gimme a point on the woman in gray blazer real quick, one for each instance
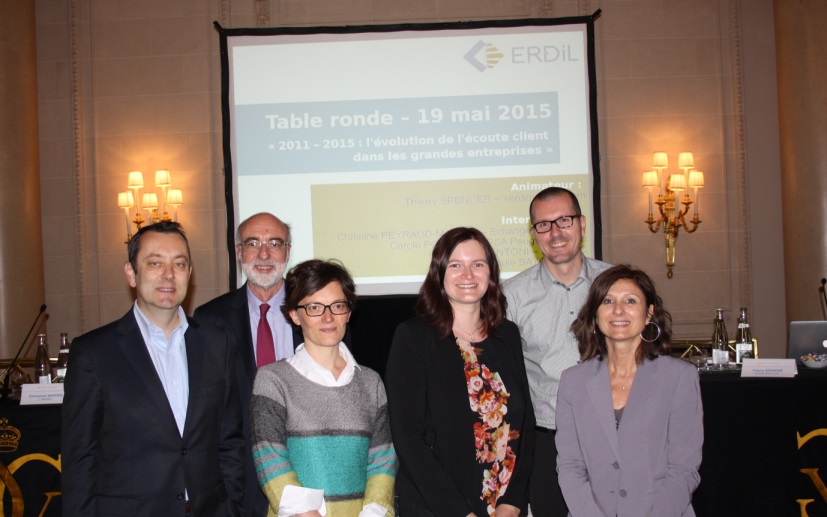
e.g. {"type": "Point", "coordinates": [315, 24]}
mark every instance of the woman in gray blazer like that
{"type": "Point", "coordinates": [629, 417]}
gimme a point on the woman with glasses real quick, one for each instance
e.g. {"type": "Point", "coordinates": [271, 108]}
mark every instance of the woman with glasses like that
{"type": "Point", "coordinates": [321, 440]}
{"type": "Point", "coordinates": [460, 408]}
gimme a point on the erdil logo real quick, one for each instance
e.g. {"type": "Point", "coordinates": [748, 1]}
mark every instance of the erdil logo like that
{"type": "Point", "coordinates": [489, 58]}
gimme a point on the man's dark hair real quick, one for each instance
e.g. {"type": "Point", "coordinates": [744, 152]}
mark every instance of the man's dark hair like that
{"type": "Point", "coordinates": [160, 227]}
{"type": "Point", "coordinates": [552, 192]}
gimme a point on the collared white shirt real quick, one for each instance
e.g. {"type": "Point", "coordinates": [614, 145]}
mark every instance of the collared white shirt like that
{"type": "Point", "coordinates": [296, 499]}
{"type": "Point", "coordinates": [170, 359]}
{"type": "Point", "coordinates": [282, 331]}
{"type": "Point", "coordinates": [309, 368]}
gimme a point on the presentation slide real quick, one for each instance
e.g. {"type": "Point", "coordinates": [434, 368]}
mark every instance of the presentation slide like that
{"type": "Point", "coordinates": [372, 144]}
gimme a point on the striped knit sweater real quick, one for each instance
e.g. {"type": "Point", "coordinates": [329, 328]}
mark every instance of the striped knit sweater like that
{"type": "Point", "coordinates": [332, 438]}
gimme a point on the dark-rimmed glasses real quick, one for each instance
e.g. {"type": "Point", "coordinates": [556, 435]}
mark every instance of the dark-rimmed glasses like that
{"type": "Point", "coordinates": [315, 310]}
{"type": "Point", "coordinates": [563, 222]}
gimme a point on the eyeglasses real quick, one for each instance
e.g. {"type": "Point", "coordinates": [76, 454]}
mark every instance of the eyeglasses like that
{"type": "Point", "coordinates": [317, 309]}
{"type": "Point", "coordinates": [275, 245]}
{"type": "Point", "coordinates": [562, 222]}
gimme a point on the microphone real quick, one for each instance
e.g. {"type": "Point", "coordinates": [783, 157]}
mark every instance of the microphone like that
{"type": "Point", "coordinates": [19, 350]}
{"type": "Point", "coordinates": [823, 294]}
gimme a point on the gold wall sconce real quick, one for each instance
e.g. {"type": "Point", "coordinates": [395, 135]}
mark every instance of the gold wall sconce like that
{"type": "Point", "coordinates": [672, 215]}
{"type": "Point", "coordinates": [170, 197]}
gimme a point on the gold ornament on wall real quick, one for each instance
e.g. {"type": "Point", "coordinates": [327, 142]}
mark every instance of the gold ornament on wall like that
{"type": "Point", "coordinates": [170, 197]}
{"type": "Point", "coordinates": [672, 214]}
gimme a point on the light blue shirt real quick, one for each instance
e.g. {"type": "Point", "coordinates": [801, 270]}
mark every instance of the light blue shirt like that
{"type": "Point", "coordinates": [282, 331]}
{"type": "Point", "coordinates": [170, 359]}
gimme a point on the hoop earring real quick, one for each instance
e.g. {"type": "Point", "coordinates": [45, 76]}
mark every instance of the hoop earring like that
{"type": "Point", "coordinates": [656, 337]}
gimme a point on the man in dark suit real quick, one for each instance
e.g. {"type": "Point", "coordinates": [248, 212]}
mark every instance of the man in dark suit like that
{"type": "Point", "coordinates": [262, 249]}
{"type": "Point", "coordinates": [151, 414]}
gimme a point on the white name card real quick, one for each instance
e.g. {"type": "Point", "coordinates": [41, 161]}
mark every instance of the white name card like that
{"type": "Point", "coordinates": [42, 394]}
{"type": "Point", "coordinates": [769, 368]}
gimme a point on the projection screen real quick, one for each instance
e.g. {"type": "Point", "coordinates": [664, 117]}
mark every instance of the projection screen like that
{"type": "Point", "coordinates": [372, 141]}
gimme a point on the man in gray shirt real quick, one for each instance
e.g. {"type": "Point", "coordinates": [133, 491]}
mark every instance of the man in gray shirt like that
{"type": "Point", "coordinates": [543, 301]}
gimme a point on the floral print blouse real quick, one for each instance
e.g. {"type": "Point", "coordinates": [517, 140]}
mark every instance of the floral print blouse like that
{"type": "Point", "coordinates": [493, 435]}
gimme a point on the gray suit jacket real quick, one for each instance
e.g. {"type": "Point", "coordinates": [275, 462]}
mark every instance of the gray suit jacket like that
{"type": "Point", "coordinates": [646, 467]}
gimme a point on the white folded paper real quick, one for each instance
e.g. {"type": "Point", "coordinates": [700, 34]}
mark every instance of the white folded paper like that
{"type": "Point", "coordinates": [769, 368]}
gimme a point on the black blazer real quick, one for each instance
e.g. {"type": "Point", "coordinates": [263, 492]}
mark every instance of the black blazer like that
{"type": "Point", "coordinates": [231, 313]}
{"type": "Point", "coordinates": [433, 425]}
{"type": "Point", "coordinates": [122, 452]}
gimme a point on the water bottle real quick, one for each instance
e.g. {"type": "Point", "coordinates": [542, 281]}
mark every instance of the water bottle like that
{"type": "Point", "coordinates": [743, 338]}
{"type": "Point", "coordinates": [720, 340]}
{"type": "Point", "coordinates": [62, 358]}
{"type": "Point", "coordinates": [42, 367]}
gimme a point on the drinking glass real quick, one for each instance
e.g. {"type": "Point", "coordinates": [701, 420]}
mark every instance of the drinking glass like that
{"type": "Point", "coordinates": [698, 358]}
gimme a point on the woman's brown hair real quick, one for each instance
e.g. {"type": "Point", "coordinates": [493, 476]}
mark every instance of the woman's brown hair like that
{"type": "Point", "coordinates": [592, 343]}
{"type": "Point", "coordinates": [433, 304]}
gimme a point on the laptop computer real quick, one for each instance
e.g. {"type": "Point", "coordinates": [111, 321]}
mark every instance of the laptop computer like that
{"type": "Point", "coordinates": [807, 337]}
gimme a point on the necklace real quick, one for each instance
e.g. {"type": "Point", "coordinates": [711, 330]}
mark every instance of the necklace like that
{"type": "Point", "coordinates": [469, 334]}
{"type": "Point", "coordinates": [629, 380]}
{"type": "Point", "coordinates": [626, 383]}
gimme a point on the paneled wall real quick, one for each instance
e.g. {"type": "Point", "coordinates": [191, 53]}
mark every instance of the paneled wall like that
{"type": "Point", "coordinates": [134, 84]}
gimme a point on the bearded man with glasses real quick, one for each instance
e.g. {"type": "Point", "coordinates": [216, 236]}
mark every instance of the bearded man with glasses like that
{"type": "Point", "coordinates": [251, 317]}
{"type": "Point", "coordinates": [543, 301]}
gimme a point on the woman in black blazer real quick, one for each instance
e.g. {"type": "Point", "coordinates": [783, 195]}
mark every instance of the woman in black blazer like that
{"type": "Point", "coordinates": [458, 397]}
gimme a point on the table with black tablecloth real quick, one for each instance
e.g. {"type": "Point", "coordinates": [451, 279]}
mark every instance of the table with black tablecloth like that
{"type": "Point", "coordinates": [759, 435]}
{"type": "Point", "coordinates": [29, 460]}
{"type": "Point", "coordinates": [765, 450]}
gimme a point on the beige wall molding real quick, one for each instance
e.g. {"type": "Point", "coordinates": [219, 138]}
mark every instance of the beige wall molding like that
{"type": "Point", "coordinates": [262, 10]}
{"type": "Point", "coordinates": [81, 181]}
{"type": "Point", "coordinates": [99, 48]}
{"type": "Point", "coordinates": [742, 232]}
